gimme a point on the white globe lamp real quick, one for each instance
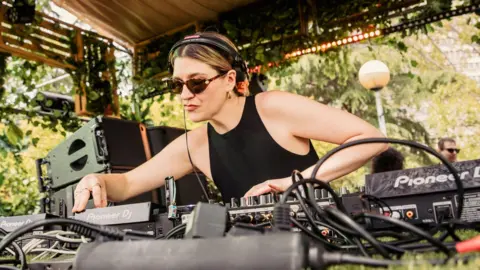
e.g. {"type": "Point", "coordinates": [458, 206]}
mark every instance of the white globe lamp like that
{"type": "Point", "coordinates": [375, 75]}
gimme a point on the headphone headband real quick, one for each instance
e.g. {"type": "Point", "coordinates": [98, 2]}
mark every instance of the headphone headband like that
{"type": "Point", "coordinates": [238, 63]}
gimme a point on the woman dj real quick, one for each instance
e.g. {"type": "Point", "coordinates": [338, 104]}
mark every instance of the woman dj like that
{"type": "Point", "coordinates": [250, 144]}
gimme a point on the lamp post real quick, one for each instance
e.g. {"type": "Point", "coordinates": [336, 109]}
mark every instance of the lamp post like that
{"type": "Point", "coordinates": [374, 75]}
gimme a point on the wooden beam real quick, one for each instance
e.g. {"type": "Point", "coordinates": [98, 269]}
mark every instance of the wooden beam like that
{"type": "Point", "coordinates": [38, 42]}
{"type": "Point", "coordinates": [33, 48]}
{"type": "Point", "coordinates": [35, 57]}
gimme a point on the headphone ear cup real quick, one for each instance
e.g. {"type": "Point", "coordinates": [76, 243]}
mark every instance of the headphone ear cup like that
{"type": "Point", "coordinates": [240, 75]}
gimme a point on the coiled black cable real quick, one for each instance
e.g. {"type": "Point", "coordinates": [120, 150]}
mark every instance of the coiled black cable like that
{"type": "Point", "coordinates": [409, 227]}
{"type": "Point", "coordinates": [451, 169]}
{"type": "Point", "coordinates": [83, 228]}
{"type": "Point", "coordinates": [19, 254]}
{"type": "Point", "coordinates": [339, 215]}
{"type": "Point", "coordinates": [178, 229]}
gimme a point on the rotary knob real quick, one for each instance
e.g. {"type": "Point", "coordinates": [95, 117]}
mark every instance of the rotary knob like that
{"type": "Point", "coordinates": [251, 200]}
{"type": "Point", "coordinates": [262, 200]}
{"type": "Point", "coordinates": [269, 198]}
{"type": "Point", "coordinates": [233, 203]}
{"type": "Point", "coordinates": [243, 202]}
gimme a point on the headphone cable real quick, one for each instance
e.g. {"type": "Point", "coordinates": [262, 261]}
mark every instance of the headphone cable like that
{"type": "Point", "coordinates": [190, 158]}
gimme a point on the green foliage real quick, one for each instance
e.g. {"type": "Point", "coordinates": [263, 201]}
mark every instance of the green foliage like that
{"type": "Point", "coordinates": [160, 46]}
{"type": "Point", "coordinates": [18, 191]}
{"type": "Point", "coordinates": [89, 73]}
{"type": "Point", "coordinates": [269, 30]}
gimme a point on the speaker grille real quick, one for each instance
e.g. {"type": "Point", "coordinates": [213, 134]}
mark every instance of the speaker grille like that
{"type": "Point", "coordinates": [124, 142]}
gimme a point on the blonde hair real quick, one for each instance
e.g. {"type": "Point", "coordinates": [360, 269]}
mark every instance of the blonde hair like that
{"type": "Point", "coordinates": [221, 62]}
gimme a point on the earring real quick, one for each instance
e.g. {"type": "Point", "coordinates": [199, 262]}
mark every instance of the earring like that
{"type": "Point", "coordinates": [229, 95]}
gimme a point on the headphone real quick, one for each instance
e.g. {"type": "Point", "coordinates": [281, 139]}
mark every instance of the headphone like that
{"type": "Point", "coordinates": [238, 64]}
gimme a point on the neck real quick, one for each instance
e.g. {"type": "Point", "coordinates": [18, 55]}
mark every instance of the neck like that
{"type": "Point", "coordinates": [229, 115]}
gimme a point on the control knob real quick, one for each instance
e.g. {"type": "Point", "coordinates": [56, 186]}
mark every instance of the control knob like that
{"type": "Point", "coordinates": [233, 203]}
{"type": "Point", "coordinates": [243, 202]}
{"type": "Point", "coordinates": [251, 200]}
{"type": "Point", "coordinates": [269, 198]}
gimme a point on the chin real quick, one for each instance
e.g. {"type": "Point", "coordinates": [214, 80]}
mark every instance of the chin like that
{"type": "Point", "coordinates": [197, 117]}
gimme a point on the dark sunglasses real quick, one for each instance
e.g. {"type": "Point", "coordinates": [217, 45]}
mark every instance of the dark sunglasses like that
{"type": "Point", "coordinates": [196, 86]}
{"type": "Point", "coordinates": [451, 150]}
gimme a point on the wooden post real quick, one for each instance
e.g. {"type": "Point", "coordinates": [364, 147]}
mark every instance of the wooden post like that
{"type": "Point", "coordinates": [110, 57]}
{"type": "Point", "coordinates": [80, 96]}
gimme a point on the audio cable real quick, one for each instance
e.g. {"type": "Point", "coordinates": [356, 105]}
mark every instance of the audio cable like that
{"type": "Point", "coordinates": [19, 254]}
{"type": "Point", "coordinates": [98, 233]}
{"type": "Point", "coordinates": [204, 190]}
{"type": "Point", "coordinates": [451, 169]}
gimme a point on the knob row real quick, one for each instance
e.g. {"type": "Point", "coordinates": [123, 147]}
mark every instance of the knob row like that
{"type": "Point", "coordinates": [270, 199]}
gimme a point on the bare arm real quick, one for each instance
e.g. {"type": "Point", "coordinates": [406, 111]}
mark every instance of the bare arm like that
{"type": "Point", "coordinates": [171, 161]}
{"type": "Point", "coordinates": [309, 119]}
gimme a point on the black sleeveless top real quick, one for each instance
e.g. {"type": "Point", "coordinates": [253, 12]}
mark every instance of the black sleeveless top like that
{"type": "Point", "coordinates": [247, 155]}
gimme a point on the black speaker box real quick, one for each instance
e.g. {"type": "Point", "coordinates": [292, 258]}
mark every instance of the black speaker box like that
{"type": "Point", "coordinates": [188, 187]}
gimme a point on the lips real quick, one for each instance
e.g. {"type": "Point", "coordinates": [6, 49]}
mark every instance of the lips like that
{"type": "Point", "coordinates": [191, 108]}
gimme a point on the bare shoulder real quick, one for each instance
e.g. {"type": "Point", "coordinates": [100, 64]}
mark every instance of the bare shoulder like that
{"type": "Point", "coordinates": [198, 133]}
{"type": "Point", "coordinates": [275, 103]}
{"type": "Point", "coordinates": [197, 137]}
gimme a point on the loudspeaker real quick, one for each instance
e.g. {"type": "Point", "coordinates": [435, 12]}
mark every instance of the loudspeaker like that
{"type": "Point", "coordinates": [100, 146]}
{"type": "Point", "coordinates": [103, 145]}
{"type": "Point", "coordinates": [188, 189]}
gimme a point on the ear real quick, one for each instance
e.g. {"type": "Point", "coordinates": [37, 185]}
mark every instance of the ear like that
{"type": "Point", "coordinates": [231, 79]}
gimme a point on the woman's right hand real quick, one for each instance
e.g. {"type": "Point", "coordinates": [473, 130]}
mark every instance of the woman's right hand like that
{"type": "Point", "coordinates": [90, 184]}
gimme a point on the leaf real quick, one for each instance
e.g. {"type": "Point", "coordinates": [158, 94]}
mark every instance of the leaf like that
{"type": "Point", "coordinates": [14, 134]}
{"type": "Point", "coordinates": [28, 133]}
{"type": "Point", "coordinates": [40, 97]}
{"type": "Point", "coordinates": [260, 57]}
{"type": "Point", "coordinates": [276, 37]}
{"type": "Point", "coordinates": [57, 113]}
{"type": "Point", "coordinates": [2, 178]}
{"type": "Point", "coordinates": [35, 141]}
{"type": "Point", "coordinates": [3, 153]}
{"type": "Point", "coordinates": [401, 46]}
{"type": "Point", "coordinates": [414, 63]}
{"type": "Point", "coordinates": [259, 49]}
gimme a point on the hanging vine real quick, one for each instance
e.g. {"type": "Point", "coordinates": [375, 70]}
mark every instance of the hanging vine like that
{"type": "Point", "coordinates": [3, 74]}
{"type": "Point", "coordinates": [267, 30]}
{"type": "Point", "coordinates": [90, 76]}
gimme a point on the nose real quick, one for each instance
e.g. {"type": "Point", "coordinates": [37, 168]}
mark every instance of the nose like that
{"type": "Point", "coordinates": [186, 94]}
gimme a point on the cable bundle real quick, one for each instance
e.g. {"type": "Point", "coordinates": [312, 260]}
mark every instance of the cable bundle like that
{"type": "Point", "coordinates": [353, 237]}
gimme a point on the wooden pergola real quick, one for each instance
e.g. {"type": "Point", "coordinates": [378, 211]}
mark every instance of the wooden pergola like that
{"type": "Point", "coordinates": [62, 45]}
{"type": "Point", "coordinates": [148, 28]}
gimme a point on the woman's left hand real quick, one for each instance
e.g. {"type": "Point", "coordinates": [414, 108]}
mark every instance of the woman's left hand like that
{"type": "Point", "coordinates": [275, 185]}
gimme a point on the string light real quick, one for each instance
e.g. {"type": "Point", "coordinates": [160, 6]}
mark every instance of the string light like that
{"type": "Point", "coordinates": [327, 45]}
{"type": "Point", "coordinates": [375, 33]}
